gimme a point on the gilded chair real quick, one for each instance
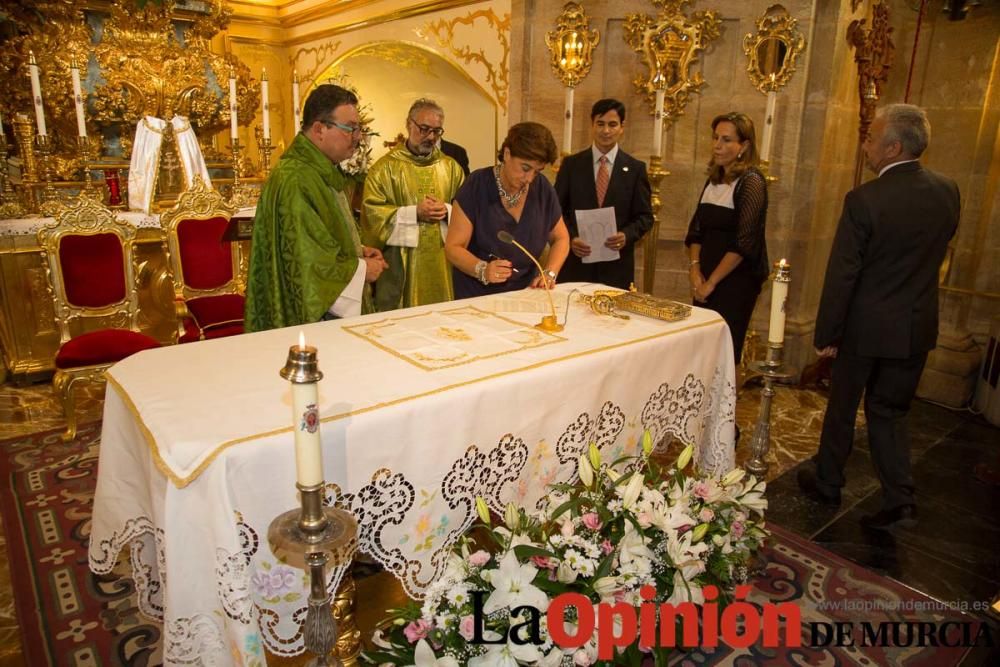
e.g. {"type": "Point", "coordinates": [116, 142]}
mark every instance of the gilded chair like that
{"type": "Point", "coordinates": [208, 286]}
{"type": "Point", "coordinates": [88, 257]}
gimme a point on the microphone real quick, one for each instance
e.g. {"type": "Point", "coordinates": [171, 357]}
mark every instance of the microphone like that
{"type": "Point", "coordinates": [549, 323]}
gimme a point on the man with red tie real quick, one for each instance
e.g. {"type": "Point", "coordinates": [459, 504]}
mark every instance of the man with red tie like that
{"type": "Point", "coordinates": [604, 176]}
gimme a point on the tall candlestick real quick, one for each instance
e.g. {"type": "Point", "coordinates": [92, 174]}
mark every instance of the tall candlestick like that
{"type": "Point", "coordinates": [36, 94]}
{"type": "Point", "coordinates": [81, 123]}
{"type": "Point", "coordinates": [302, 371]}
{"type": "Point", "coordinates": [765, 144]}
{"type": "Point", "coordinates": [779, 299]}
{"type": "Point", "coordinates": [295, 99]}
{"type": "Point", "coordinates": [264, 105]}
{"type": "Point", "coordinates": [568, 125]}
{"type": "Point", "coordinates": [233, 130]}
{"type": "Point", "coordinates": [658, 123]}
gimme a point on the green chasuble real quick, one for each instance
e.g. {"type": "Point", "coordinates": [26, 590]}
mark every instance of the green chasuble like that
{"type": "Point", "coordinates": [418, 272]}
{"type": "Point", "coordinates": [305, 247]}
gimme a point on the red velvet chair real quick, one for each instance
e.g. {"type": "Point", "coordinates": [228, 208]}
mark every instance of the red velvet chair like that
{"type": "Point", "coordinates": [91, 276]}
{"type": "Point", "coordinates": [208, 286]}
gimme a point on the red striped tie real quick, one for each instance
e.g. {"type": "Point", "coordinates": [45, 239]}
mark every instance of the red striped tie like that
{"type": "Point", "coordinates": [602, 180]}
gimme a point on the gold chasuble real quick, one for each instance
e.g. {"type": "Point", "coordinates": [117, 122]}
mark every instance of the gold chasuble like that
{"type": "Point", "coordinates": [418, 272]}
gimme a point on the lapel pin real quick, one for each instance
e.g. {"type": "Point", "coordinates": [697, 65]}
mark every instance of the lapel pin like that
{"type": "Point", "coordinates": [624, 168]}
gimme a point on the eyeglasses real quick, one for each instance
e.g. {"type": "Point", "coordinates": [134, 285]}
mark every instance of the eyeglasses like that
{"type": "Point", "coordinates": [350, 129]}
{"type": "Point", "coordinates": [427, 129]}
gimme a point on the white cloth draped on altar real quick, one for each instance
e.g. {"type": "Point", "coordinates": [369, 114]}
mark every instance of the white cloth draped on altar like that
{"type": "Point", "coordinates": [423, 410]}
{"type": "Point", "coordinates": [145, 163]}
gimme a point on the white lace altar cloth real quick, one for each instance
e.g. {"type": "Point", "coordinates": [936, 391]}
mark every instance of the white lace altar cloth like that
{"type": "Point", "coordinates": [197, 454]}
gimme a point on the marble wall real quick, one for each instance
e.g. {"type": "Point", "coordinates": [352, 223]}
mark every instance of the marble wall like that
{"type": "Point", "coordinates": [815, 145]}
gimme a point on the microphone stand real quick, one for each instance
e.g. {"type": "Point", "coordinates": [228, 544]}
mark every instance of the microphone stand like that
{"type": "Point", "coordinates": [549, 323]}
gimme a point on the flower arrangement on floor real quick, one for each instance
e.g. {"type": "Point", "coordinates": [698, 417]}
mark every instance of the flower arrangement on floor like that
{"type": "Point", "coordinates": [628, 532]}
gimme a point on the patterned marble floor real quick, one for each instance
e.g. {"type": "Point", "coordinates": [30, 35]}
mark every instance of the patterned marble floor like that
{"type": "Point", "coordinates": [796, 417]}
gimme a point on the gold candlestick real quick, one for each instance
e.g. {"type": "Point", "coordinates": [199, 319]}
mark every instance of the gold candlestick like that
{"type": "Point", "coordinates": [83, 149]}
{"type": "Point", "coordinates": [649, 243]}
{"type": "Point", "coordinates": [265, 155]}
{"type": "Point", "coordinates": [10, 205]}
{"type": "Point", "coordinates": [49, 201]}
{"type": "Point", "coordinates": [23, 132]}
{"type": "Point", "coordinates": [241, 195]}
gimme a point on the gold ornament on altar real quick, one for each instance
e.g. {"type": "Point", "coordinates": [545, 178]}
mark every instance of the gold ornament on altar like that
{"type": "Point", "coordinates": [572, 44]}
{"type": "Point", "coordinates": [669, 45]}
{"type": "Point", "coordinates": [771, 51]}
{"type": "Point", "coordinates": [616, 303]}
{"type": "Point", "coordinates": [873, 53]}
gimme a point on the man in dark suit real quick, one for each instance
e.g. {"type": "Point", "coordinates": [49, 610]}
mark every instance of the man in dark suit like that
{"type": "Point", "coordinates": [878, 315]}
{"type": "Point", "coordinates": [582, 178]}
{"type": "Point", "coordinates": [456, 153]}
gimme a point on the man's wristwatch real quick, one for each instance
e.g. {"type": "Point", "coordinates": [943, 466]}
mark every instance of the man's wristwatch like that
{"type": "Point", "coordinates": [481, 272]}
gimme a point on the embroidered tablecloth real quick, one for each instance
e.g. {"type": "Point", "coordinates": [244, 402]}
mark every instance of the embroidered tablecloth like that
{"type": "Point", "coordinates": [422, 410]}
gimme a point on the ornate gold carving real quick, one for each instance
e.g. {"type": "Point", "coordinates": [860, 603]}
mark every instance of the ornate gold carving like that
{"type": "Point", "coordinates": [320, 55]}
{"type": "Point", "coordinates": [772, 50]}
{"type": "Point", "coordinates": [572, 44]}
{"type": "Point", "coordinates": [497, 75]}
{"type": "Point", "coordinates": [873, 53]}
{"type": "Point", "coordinates": [668, 45]}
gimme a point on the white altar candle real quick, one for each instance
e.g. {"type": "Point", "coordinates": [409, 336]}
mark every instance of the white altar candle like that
{"type": "Point", "coordinates": [295, 100]}
{"type": "Point", "coordinates": [765, 144]}
{"type": "Point", "coordinates": [658, 123]}
{"type": "Point", "coordinates": [264, 104]}
{"type": "Point", "coordinates": [233, 130]}
{"type": "Point", "coordinates": [81, 124]}
{"type": "Point", "coordinates": [779, 299]}
{"type": "Point", "coordinates": [36, 94]}
{"type": "Point", "coordinates": [568, 125]}
{"type": "Point", "coordinates": [305, 423]}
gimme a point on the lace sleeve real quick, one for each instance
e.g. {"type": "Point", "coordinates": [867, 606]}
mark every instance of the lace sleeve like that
{"type": "Point", "coordinates": [751, 205]}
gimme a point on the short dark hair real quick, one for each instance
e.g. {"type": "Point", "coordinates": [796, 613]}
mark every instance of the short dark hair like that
{"type": "Point", "coordinates": [323, 100]}
{"type": "Point", "coordinates": [530, 141]}
{"type": "Point", "coordinates": [602, 107]}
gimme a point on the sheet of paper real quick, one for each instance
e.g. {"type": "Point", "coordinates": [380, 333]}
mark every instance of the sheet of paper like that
{"type": "Point", "coordinates": [595, 226]}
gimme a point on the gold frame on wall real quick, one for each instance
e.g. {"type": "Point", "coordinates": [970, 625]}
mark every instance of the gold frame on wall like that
{"type": "Point", "coordinates": [777, 39]}
{"type": "Point", "coordinates": [572, 44]}
{"type": "Point", "coordinates": [669, 46]}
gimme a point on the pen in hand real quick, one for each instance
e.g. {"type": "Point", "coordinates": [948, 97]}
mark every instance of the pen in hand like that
{"type": "Point", "coordinates": [492, 256]}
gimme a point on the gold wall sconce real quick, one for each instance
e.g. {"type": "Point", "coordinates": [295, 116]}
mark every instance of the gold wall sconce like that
{"type": "Point", "coordinates": [571, 46]}
{"type": "Point", "coordinates": [772, 51]}
{"type": "Point", "coordinates": [668, 46]}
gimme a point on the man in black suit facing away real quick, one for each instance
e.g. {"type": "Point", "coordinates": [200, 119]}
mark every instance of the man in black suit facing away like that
{"type": "Point", "coordinates": [878, 315]}
{"type": "Point", "coordinates": [626, 188]}
{"type": "Point", "coordinates": [456, 153]}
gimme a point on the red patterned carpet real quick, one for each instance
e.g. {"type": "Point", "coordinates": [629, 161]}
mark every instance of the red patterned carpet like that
{"type": "Point", "coordinates": [69, 616]}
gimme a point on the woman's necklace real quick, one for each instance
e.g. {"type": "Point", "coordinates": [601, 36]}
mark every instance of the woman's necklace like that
{"type": "Point", "coordinates": [510, 201]}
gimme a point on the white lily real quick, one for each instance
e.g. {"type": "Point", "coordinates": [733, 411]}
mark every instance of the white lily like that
{"type": "Point", "coordinates": [507, 655]}
{"type": "Point", "coordinates": [424, 656]}
{"type": "Point", "coordinates": [733, 476]}
{"type": "Point", "coordinates": [631, 493]}
{"type": "Point", "coordinates": [512, 586]}
{"type": "Point", "coordinates": [586, 471]}
{"type": "Point", "coordinates": [685, 457]}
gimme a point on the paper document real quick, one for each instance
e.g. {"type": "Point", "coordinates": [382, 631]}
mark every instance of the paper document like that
{"type": "Point", "coordinates": [595, 226]}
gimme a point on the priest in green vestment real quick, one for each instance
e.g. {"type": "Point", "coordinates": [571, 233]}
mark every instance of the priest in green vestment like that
{"type": "Point", "coordinates": [307, 262]}
{"type": "Point", "coordinates": [407, 201]}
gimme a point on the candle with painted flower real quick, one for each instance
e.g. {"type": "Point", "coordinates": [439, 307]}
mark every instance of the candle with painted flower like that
{"type": "Point", "coordinates": [779, 300]}
{"type": "Point", "coordinates": [658, 123]}
{"type": "Point", "coordinates": [772, 100]}
{"type": "Point", "coordinates": [264, 105]}
{"type": "Point", "coordinates": [295, 99]}
{"type": "Point", "coordinates": [302, 371]}
{"type": "Point", "coordinates": [568, 125]}
{"type": "Point", "coordinates": [36, 93]}
{"type": "Point", "coordinates": [81, 123]}
{"type": "Point", "coordinates": [233, 129]}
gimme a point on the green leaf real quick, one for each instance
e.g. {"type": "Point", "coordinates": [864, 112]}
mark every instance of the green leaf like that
{"type": "Point", "coordinates": [526, 551]}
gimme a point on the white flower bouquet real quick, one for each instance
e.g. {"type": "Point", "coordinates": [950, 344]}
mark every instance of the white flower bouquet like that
{"type": "Point", "coordinates": [587, 578]}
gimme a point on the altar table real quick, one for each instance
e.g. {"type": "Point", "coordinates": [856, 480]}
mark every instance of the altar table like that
{"type": "Point", "coordinates": [422, 411]}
